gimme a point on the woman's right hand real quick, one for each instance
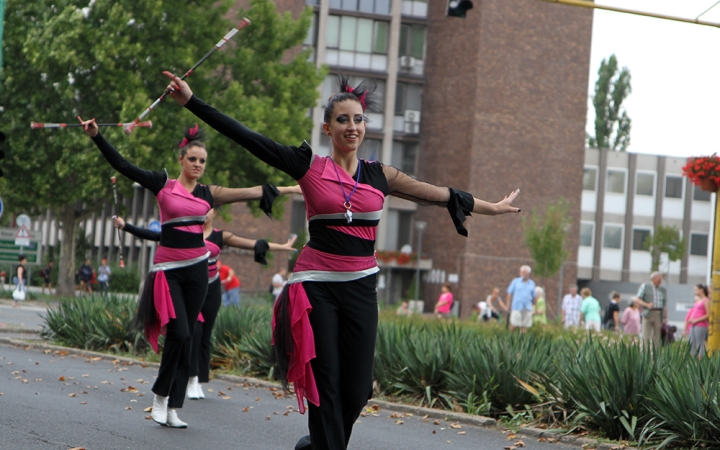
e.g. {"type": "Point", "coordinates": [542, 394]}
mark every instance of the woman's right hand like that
{"type": "Point", "coordinates": [178, 89]}
{"type": "Point", "coordinates": [90, 127]}
{"type": "Point", "coordinates": [119, 222]}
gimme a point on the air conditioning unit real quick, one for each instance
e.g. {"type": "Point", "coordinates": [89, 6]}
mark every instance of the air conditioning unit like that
{"type": "Point", "coordinates": [411, 128]}
{"type": "Point", "coordinates": [412, 116]}
{"type": "Point", "coordinates": [407, 62]}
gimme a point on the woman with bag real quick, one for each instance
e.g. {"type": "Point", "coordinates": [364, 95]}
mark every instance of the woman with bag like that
{"type": "Point", "coordinates": [20, 281]}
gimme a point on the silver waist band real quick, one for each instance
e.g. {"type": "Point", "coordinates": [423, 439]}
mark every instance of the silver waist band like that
{"type": "Point", "coordinates": [374, 215]}
{"type": "Point", "coordinates": [178, 264]}
{"type": "Point", "coordinates": [185, 219]}
{"type": "Point", "coordinates": [215, 277]}
{"type": "Point", "coordinates": [324, 275]}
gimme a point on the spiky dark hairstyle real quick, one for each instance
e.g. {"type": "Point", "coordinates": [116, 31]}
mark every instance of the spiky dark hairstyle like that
{"type": "Point", "coordinates": [192, 137]}
{"type": "Point", "coordinates": [363, 93]}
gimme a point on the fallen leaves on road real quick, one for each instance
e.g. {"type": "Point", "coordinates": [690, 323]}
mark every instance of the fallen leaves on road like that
{"type": "Point", "coordinates": [455, 425]}
{"type": "Point", "coordinates": [72, 395]}
{"type": "Point", "coordinates": [246, 409]}
{"type": "Point", "coordinates": [129, 389]}
{"type": "Point", "coordinates": [148, 409]}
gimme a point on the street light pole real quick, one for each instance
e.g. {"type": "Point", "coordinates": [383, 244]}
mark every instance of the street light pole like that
{"type": "Point", "coordinates": [420, 225]}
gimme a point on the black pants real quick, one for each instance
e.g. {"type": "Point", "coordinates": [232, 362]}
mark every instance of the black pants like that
{"type": "Point", "coordinates": [344, 321]}
{"type": "Point", "coordinates": [188, 286]}
{"type": "Point", "coordinates": [201, 345]}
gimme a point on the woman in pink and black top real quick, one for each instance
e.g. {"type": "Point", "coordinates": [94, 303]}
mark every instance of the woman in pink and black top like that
{"type": "Point", "coordinates": [696, 321]}
{"type": "Point", "coordinates": [215, 240]}
{"type": "Point", "coordinates": [176, 286]}
{"type": "Point", "coordinates": [326, 318]}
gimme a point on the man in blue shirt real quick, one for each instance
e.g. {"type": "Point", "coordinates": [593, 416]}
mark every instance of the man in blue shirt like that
{"type": "Point", "coordinates": [520, 299]}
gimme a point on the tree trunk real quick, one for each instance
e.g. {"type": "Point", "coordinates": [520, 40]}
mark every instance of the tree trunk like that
{"type": "Point", "coordinates": [66, 270]}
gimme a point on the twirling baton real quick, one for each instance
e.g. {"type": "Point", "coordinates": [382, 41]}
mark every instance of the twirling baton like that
{"type": "Point", "coordinates": [243, 23]}
{"type": "Point", "coordinates": [36, 125]}
{"type": "Point", "coordinates": [114, 188]}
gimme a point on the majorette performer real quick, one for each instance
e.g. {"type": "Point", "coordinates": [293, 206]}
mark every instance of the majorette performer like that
{"type": "Point", "coordinates": [177, 283]}
{"type": "Point", "coordinates": [331, 299]}
{"type": "Point", "coordinates": [215, 240]}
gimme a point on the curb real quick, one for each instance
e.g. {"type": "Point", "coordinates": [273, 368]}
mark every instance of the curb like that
{"type": "Point", "coordinates": [21, 330]}
{"type": "Point", "coordinates": [584, 442]}
{"type": "Point", "coordinates": [448, 416]}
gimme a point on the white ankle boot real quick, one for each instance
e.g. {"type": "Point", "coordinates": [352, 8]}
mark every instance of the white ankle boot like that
{"type": "Point", "coordinates": [173, 421]}
{"type": "Point", "coordinates": [200, 392]}
{"type": "Point", "coordinates": [160, 409]}
{"type": "Point", "coordinates": [194, 391]}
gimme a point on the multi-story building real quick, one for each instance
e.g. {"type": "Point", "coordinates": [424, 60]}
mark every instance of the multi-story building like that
{"type": "Point", "coordinates": [625, 196]}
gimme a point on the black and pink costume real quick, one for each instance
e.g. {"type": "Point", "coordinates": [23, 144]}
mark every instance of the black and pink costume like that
{"type": "Point", "coordinates": [202, 342]}
{"type": "Point", "coordinates": [326, 317]}
{"type": "Point", "coordinates": [178, 279]}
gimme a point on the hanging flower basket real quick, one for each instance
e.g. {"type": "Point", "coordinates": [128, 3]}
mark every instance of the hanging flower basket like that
{"type": "Point", "coordinates": [704, 171]}
{"type": "Point", "coordinates": [708, 184]}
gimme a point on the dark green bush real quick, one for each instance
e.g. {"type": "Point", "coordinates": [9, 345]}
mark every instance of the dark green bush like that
{"type": "Point", "coordinates": [94, 323]}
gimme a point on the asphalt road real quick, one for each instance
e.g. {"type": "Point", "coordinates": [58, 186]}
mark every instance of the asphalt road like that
{"type": "Point", "coordinates": [52, 400]}
{"type": "Point", "coordinates": [24, 316]}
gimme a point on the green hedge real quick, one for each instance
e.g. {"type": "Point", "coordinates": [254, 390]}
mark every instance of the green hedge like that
{"type": "Point", "coordinates": [600, 382]}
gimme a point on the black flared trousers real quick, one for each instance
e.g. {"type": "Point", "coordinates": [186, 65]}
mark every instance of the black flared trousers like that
{"type": "Point", "coordinates": [344, 320]}
{"type": "Point", "coordinates": [188, 286]}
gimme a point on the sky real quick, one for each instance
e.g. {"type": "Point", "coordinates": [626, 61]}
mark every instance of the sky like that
{"type": "Point", "coordinates": [675, 70]}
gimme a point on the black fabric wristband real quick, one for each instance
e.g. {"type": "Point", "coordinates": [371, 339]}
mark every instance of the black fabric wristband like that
{"type": "Point", "coordinates": [269, 194]}
{"type": "Point", "coordinates": [261, 248]}
{"type": "Point", "coordinates": [459, 206]}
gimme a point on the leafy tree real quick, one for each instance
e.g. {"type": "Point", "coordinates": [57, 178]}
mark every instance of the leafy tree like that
{"type": "Point", "coordinates": [612, 124]}
{"type": "Point", "coordinates": [545, 236]}
{"type": "Point", "coordinates": [65, 58]}
{"type": "Point", "coordinates": [666, 239]}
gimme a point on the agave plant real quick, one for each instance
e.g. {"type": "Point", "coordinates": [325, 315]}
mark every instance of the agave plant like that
{"type": "Point", "coordinates": [608, 385]}
{"type": "Point", "coordinates": [683, 404]}
{"type": "Point", "coordinates": [94, 323]}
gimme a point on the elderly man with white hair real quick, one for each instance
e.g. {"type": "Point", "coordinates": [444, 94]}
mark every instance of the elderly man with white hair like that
{"type": "Point", "coordinates": [520, 299]}
{"type": "Point", "coordinates": [653, 299]}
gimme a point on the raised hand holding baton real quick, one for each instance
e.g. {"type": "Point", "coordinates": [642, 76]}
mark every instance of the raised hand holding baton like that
{"type": "Point", "coordinates": [243, 23]}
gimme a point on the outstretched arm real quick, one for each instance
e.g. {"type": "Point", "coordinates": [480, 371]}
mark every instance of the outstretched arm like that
{"type": "Point", "coordinates": [404, 186]}
{"type": "Point", "coordinates": [222, 195]}
{"type": "Point", "coordinates": [260, 246]}
{"type": "Point", "coordinates": [153, 181]}
{"type": "Point", "coordinates": [295, 161]}
{"type": "Point", "coordinates": [142, 233]}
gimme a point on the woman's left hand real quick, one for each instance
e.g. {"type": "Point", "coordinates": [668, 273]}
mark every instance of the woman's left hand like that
{"type": "Point", "coordinates": [505, 205]}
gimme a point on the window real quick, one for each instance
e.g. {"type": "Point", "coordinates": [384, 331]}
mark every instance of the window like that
{"type": "Point", "coordinates": [414, 8]}
{"type": "Point", "coordinates": [357, 42]}
{"type": "Point", "coordinates": [698, 244]}
{"type": "Point", "coordinates": [700, 195]}
{"type": "Point", "coordinates": [412, 40]}
{"type": "Point", "coordinates": [369, 6]}
{"type": "Point", "coordinates": [616, 181]}
{"type": "Point", "coordinates": [408, 96]}
{"type": "Point", "coordinates": [589, 179]}
{"type": "Point", "coordinates": [673, 186]}
{"type": "Point", "coordinates": [312, 31]}
{"type": "Point", "coordinates": [586, 234]}
{"type": "Point", "coordinates": [404, 156]}
{"type": "Point", "coordinates": [639, 236]}
{"type": "Point", "coordinates": [612, 236]}
{"type": "Point", "coordinates": [645, 184]}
